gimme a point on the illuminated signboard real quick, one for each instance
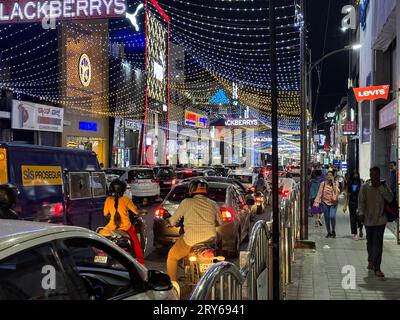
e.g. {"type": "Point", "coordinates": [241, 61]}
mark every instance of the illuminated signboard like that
{"type": "Point", "coordinates": [349, 127]}
{"type": "Point", "coordinates": [241, 123]}
{"type": "Point", "coordinates": [14, 11]}
{"type": "Point", "coordinates": [196, 120]}
{"type": "Point", "coordinates": [85, 70]}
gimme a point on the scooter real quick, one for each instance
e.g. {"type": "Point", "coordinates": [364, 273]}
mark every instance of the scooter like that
{"type": "Point", "coordinates": [122, 238]}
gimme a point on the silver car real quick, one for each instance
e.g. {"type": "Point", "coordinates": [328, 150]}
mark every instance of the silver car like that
{"type": "Point", "coordinates": [54, 262]}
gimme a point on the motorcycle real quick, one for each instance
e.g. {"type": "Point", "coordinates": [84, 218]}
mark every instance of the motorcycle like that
{"type": "Point", "coordinates": [259, 206]}
{"type": "Point", "coordinates": [122, 239]}
{"type": "Point", "coordinates": [202, 256]}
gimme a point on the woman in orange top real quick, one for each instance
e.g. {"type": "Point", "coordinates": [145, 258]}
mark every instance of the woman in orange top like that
{"type": "Point", "coordinates": [327, 198]}
{"type": "Point", "coordinates": [117, 206]}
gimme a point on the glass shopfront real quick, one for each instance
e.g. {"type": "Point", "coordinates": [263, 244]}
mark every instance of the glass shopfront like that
{"type": "Point", "coordinates": [96, 145]}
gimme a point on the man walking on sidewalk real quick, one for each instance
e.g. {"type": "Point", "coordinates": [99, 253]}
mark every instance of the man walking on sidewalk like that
{"type": "Point", "coordinates": [371, 210]}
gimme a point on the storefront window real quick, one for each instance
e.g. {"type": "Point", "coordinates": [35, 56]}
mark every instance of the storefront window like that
{"type": "Point", "coordinates": [366, 122]}
{"type": "Point", "coordinates": [87, 143]}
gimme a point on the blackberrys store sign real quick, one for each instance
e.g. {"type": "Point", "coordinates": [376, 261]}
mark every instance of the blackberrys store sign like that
{"type": "Point", "coordinates": [19, 11]}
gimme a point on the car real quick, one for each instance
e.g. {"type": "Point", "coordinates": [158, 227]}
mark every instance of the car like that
{"type": "Point", "coordinates": [294, 169]}
{"type": "Point", "coordinates": [167, 177]}
{"type": "Point", "coordinates": [41, 261]}
{"type": "Point", "coordinates": [141, 180]}
{"type": "Point", "coordinates": [235, 182]}
{"type": "Point", "coordinates": [286, 185]}
{"type": "Point", "coordinates": [220, 170]}
{"type": "Point", "coordinates": [56, 185]}
{"type": "Point", "coordinates": [245, 177]}
{"type": "Point", "coordinates": [183, 174]}
{"type": "Point", "coordinates": [235, 214]}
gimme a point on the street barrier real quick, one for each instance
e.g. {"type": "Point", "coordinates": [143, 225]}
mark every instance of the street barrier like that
{"type": "Point", "coordinates": [254, 281]}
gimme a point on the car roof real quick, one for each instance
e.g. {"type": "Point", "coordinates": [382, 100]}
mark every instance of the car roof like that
{"type": "Point", "coordinates": [242, 172]}
{"type": "Point", "coordinates": [13, 232]}
{"type": "Point", "coordinates": [212, 184]}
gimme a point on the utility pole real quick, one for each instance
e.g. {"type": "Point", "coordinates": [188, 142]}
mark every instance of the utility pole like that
{"type": "Point", "coordinates": [274, 121]}
{"type": "Point", "coordinates": [303, 126]}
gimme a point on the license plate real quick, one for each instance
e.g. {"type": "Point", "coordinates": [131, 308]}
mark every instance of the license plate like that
{"type": "Point", "coordinates": [204, 267]}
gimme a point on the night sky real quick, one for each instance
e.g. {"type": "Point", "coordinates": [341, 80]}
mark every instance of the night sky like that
{"type": "Point", "coordinates": [335, 69]}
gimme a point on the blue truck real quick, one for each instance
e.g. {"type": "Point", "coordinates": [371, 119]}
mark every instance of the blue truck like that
{"type": "Point", "coordinates": [56, 185]}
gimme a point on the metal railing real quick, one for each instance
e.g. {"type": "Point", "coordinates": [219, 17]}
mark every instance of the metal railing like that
{"type": "Point", "coordinates": [254, 281]}
{"type": "Point", "coordinates": [222, 281]}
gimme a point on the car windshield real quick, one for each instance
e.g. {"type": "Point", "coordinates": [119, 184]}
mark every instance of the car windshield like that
{"type": "Point", "coordinates": [165, 173]}
{"type": "Point", "coordinates": [180, 193]}
{"type": "Point", "coordinates": [115, 172]}
{"type": "Point", "coordinates": [141, 174]}
{"type": "Point", "coordinates": [242, 178]}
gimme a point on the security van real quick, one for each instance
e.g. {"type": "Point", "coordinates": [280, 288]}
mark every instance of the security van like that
{"type": "Point", "coordinates": [56, 185]}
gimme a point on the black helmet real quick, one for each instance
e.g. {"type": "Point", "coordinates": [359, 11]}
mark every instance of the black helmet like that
{"type": "Point", "coordinates": [258, 194]}
{"type": "Point", "coordinates": [261, 176]}
{"type": "Point", "coordinates": [8, 195]}
{"type": "Point", "coordinates": [199, 186]}
{"type": "Point", "coordinates": [118, 187]}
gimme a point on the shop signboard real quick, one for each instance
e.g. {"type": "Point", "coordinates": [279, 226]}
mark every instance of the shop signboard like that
{"type": "Point", "coordinates": [36, 117]}
{"type": "Point", "coordinates": [372, 93]}
{"type": "Point", "coordinates": [241, 123]}
{"type": "Point", "coordinates": [387, 116]}
{"type": "Point", "coordinates": [26, 11]}
{"type": "Point", "coordinates": [196, 120]}
{"type": "Point", "coordinates": [349, 127]}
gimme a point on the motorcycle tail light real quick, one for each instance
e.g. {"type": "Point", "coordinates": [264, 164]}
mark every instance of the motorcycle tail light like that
{"type": "Point", "coordinates": [173, 182]}
{"type": "Point", "coordinates": [160, 212]}
{"type": "Point", "coordinates": [192, 259]}
{"type": "Point", "coordinates": [285, 193]}
{"type": "Point", "coordinates": [227, 215]}
{"type": "Point", "coordinates": [208, 254]}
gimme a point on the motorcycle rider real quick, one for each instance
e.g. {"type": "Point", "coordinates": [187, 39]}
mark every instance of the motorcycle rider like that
{"type": "Point", "coordinates": [201, 217]}
{"type": "Point", "coordinates": [116, 206]}
{"type": "Point", "coordinates": [8, 198]}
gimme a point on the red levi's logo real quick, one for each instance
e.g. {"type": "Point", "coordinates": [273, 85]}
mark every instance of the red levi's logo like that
{"type": "Point", "coordinates": [372, 93]}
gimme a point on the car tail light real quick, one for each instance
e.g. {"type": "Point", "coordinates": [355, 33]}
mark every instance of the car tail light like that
{"type": "Point", "coordinates": [189, 171]}
{"type": "Point", "coordinates": [160, 212]}
{"type": "Point", "coordinates": [227, 214]}
{"type": "Point", "coordinates": [258, 199]}
{"type": "Point", "coordinates": [285, 193]}
{"type": "Point", "coordinates": [57, 209]}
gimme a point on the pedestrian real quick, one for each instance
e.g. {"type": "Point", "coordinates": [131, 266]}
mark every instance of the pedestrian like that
{"type": "Point", "coordinates": [371, 204]}
{"type": "Point", "coordinates": [353, 189]}
{"type": "Point", "coordinates": [327, 198]}
{"type": "Point", "coordinates": [393, 178]}
{"type": "Point", "coordinates": [315, 183]}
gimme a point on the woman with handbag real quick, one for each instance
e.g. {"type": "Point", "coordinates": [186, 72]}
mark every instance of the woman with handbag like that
{"type": "Point", "coordinates": [315, 183]}
{"type": "Point", "coordinates": [327, 198]}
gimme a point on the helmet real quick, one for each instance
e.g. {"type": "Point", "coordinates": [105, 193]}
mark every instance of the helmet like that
{"type": "Point", "coordinates": [260, 176]}
{"type": "Point", "coordinates": [118, 187]}
{"type": "Point", "coordinates": [198, 187]}
{"type": "Point", "coordinates": [8, 195]}
{"type": "Point", "coordinates": [258, 194]}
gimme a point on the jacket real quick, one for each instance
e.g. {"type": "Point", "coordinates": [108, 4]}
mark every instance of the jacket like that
{"type": "Point", "coordinates": [371, 202]}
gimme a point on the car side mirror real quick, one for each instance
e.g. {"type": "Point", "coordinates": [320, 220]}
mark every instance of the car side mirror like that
{"type": "Point", "coordinates": [158, 281]}
{"type": "Point", "coordinates": [250, 202]}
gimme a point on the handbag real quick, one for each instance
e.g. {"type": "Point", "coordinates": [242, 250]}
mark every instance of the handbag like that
{"type": "Point", "coordinates": [391, 210]}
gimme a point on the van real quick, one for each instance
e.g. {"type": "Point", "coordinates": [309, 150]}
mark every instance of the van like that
{"type": "Point", "coordinates": [56, 185]}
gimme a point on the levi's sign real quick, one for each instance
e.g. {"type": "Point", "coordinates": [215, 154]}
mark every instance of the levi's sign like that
{"type": "Point", "coordinates": [13, 11]}
{"type": "Point", "coordinates": [372, 93]}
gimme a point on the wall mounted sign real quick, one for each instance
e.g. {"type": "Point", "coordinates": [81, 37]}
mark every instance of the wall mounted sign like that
{"type": "Point", "coordinates": [349, 20]}
{"type": "Point", "coordinates": [196, 120]}
{"type": "Point", "coordinates": [387, 116]}
{"type": "Point", "coordinates": [85, 70]}
{"type": "Point", "coordinates": [19, 11]}
{"type": "Point", "coordinates": [349, 127]}
{"type": "Point", "coordinates": [241, 123]}
{"type": "Point", "coordinates": [87, 126]}
{"type": "Point", "coordinates": [41, 176]}
{"type": "Point", "coordinates": [372, 93]}
{"type": "Point", "coordinates": [37, 117]}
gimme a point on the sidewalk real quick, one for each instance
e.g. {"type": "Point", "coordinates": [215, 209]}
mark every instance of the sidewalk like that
{"type": "Point", "coordinates": [317, 274]}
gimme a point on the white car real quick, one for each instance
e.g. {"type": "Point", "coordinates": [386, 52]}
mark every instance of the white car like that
{"type": "Point", "coordinates": [246, 177]}
{"type": "Point", "coordinates": [141, 180]}
{"type": "Point", "coordinates": [40, 261]}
